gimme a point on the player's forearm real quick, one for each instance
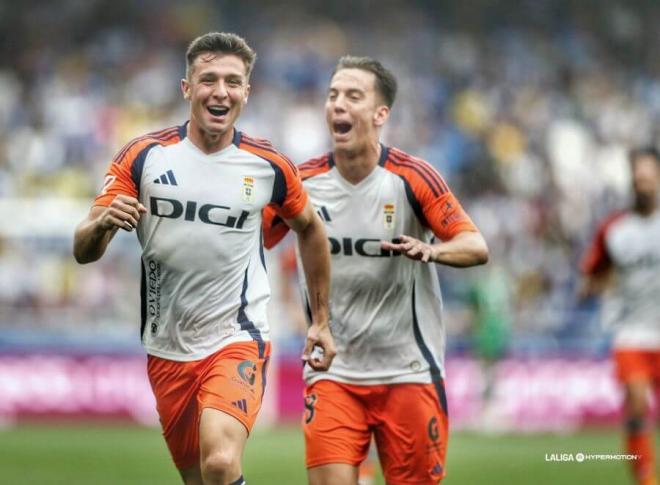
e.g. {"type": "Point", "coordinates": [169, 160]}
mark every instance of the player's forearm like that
{"type": "Point", "coordinates": [315, 256]}
{"type": "Point", "coordinates": [91, 240]}
{"type": "Point", "coordinates": [463, 250]}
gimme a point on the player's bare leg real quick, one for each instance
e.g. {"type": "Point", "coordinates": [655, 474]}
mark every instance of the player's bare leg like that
{"type": "Point", "coordinates": [639, 435]}
{"type": "Point", "coordinates": [333, 474]}
{"type": "Point", "coordinates": [192, 476]}
{"type": "Point", "coordinates": [221, 442]}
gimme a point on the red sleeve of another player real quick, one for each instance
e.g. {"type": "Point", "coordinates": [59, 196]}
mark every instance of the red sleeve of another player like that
{"type": "Point", "coordinates": [118, 179]}
{"type": "Point", "coordinates": [296, 197]}
{"type": "Point", "coordinates": [597, 258]}
{"type": "Point", "coordinates": [273, 226]}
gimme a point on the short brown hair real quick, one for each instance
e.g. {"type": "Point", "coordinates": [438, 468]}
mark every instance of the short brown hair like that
{"type": "Point", "coordinates": [386, 84]}
{"type": "Point", "coordinates": [224, 42]}
{"type": "Point", "coordinates": [646, 151]}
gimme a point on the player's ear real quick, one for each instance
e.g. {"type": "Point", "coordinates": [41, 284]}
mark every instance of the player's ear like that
{"type": "Point", "coordinates": [185, 89]}
{"type": "Point", "coordinates": [381, 115]}
{"type": "Point", "coordinates": [247, 93]}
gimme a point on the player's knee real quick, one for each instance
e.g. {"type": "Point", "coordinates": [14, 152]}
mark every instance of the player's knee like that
{"type": "Point", "coordinates": [220, 463]}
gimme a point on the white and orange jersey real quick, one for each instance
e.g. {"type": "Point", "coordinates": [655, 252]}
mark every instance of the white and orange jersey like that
{"type": "Point", "coordinates": [204, 281]}
{"type": "Point", "coordinates": [385, 308]}
{"type": "Point", "coordinates": [627, 243]}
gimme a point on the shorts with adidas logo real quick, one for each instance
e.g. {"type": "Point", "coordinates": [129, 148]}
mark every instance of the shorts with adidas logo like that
{"type": "Point", "coordinates": [231, 380]}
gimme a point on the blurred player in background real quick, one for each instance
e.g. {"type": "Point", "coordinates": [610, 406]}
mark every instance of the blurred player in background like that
{"type": "Point", "coordinates": [195, 195]}
{"type": "Point", "coordinates": [625, 253]}
{"type": "Point", "coordinates": [382, 209]}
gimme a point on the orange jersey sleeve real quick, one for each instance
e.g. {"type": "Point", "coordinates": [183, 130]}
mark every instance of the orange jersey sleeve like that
{"type": "Point", "coordinates": [125, 170]}
{"type": "Point", "coordinates": [597, 259]}
{"type": "Point", "coordinates": [432, 201]}
{"type": "Point", "coordinates": [273, 226]}
{"type": "Point", "coordinates": [289, 197]}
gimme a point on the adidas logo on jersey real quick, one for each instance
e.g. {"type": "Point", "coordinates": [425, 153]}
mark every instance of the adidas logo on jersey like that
{"type": "Point", "coordinates": [240, 404]}
{"type": "Point", "coordinates": [323, 213]}
{"type": "Point", "coordinates": [166, 179]}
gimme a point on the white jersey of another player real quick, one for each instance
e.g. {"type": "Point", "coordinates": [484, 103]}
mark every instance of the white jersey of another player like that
{"type": "Point", "coordinates": [204, 282]}
{"type": "Point", "coordinates": [386, 309]}
{"type": "Point", "coordinates": [628, 243]}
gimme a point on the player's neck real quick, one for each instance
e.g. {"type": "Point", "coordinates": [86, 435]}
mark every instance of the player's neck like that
{"type": "Point", "coordinates": [645, 205]}
{"type": "Point", "coordinates": [355, 166]}
{"type": "Point", "coordinates": [207, 142]}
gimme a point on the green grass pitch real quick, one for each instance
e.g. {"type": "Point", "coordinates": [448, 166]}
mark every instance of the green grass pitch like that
{"type": "Point", "coordinates": [92, 454]}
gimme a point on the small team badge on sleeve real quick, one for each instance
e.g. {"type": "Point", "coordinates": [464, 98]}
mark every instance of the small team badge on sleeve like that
{"type": "Point", "coordinates": [388, 213]}
{"type": "Point", "coordinates": [247, 192]}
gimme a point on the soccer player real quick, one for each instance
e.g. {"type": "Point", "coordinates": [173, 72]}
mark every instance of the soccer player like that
{"type": "Point", "coordinates": [387, 215]}
{"type": "Point", "coordinates": [625, 256]}
{"type": "Point", "coordinates": [195, 195]}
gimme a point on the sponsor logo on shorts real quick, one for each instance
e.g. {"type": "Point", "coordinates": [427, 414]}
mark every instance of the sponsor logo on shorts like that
{"type": "Point", "coordinates": [248, 371]}
{"type": "Point", "coordinates": [240, 404]}
{"type": "Point", "coordinates": [432, 428]}
{"type": "Point", "coordinates": [310, 401]}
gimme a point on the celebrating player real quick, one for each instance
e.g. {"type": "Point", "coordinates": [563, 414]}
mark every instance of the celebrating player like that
{"type": "Point", "coordinates": [383, 210]}
{"type": "Point", "coordinates": [626, 253]}
{"type": "Point", "coordinates": [195, 195]}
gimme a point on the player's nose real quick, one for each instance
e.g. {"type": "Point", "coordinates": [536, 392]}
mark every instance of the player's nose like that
{"type": "Point", "coordinates": [220, 89]}
{"type": "Point", "coordinates": [339, 104]}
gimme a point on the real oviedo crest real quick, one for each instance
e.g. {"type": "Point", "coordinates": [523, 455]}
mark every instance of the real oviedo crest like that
{"type": "Point", "coordinates": [247, 192]}
{"type": "Point", "coordinates": [388, 216]}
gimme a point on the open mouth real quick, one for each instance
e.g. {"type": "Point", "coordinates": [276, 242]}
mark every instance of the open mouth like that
{"type": "Point", "coordinates": [341, 127]}
{"type": "Point", "coordinates": [218, 110]}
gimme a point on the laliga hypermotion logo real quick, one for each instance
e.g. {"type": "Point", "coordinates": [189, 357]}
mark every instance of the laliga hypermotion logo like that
{"type": "Point", "coordinates": [388, 213]}
{"type": "Point", "coordinates": [248, 371]}
{"type": "Point", "coordinates": [247, 192]}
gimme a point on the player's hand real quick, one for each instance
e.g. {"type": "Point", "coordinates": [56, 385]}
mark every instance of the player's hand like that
{"type": "Point", "coordinates": [411, 248]}
{"type": "Point", "coordinates": [124, 212]}
{"type": "Point", "coordinates": [319, 347]}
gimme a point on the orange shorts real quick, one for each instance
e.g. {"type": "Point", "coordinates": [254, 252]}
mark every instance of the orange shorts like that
{"type": "Point", "coordinates": [408, 422]}
{"type": "Point", "coordinates": [636, 364]}
{"type": "Point", "coordinates": [232, 380]}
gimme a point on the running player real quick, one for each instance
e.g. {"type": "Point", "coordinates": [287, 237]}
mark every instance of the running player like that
{"type": "Point", "coordinates": [625, 253]}
{"type": "Point", "coordinates": [195, 195]}
{"type": "Point", "coordinates": [386, 213]}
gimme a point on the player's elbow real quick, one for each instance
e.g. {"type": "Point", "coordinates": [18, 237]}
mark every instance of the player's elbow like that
{"type": "Point", "coordinates": [480, 252]}
{"type": "Point", "coordinates": [482, 255]}
{"type": "Point", "coordinates": [82, 252]}
{"type": "Point", "coordinates": [83, 257]}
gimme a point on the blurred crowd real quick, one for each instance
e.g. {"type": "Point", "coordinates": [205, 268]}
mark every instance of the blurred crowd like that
{"type": "Point", "coordinates": [526, 108]}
